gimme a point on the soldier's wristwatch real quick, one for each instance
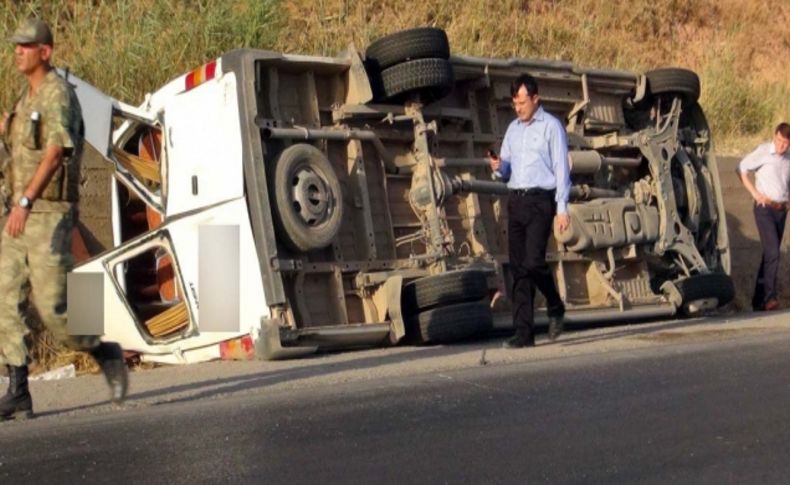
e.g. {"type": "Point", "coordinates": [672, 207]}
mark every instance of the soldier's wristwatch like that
{"type": "Point", "coordinates": [25, 203]}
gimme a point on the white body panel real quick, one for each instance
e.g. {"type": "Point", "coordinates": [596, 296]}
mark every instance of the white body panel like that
{"type": "Point", "coordinates": [99, 107]}
{"type": "Point", "coordinates": [203, 144]}
{"type": "Point", "coordinates": [181, 237]}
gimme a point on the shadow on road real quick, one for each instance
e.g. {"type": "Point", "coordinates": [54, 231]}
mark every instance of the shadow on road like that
{"type": "Point", "coordinates": [634, 330]}
{"type": "Point", "coordinates": [227, 385]}
{"type": "Point", "coordinates": [215, 387]}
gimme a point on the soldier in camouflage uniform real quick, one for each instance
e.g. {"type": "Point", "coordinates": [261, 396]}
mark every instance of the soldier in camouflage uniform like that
{"type": "Point", "coordinates": [43, 135]}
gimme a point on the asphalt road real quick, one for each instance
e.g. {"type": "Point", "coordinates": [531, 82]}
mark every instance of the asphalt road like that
{"type": "Point", "coordinates": [699, 410]}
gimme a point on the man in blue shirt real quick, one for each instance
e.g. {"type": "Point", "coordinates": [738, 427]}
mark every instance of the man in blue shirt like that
{"type": "Point", "coordinates": [534, 159]}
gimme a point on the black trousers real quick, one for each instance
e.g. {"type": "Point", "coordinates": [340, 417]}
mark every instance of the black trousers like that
{"type": "Point", "coordinates": [771, 226]}
{"type": "Point", "coordinates": [530, 219]}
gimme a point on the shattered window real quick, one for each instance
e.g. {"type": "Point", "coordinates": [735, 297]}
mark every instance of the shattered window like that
{"type": "Point", "coordinates": [139, 157]}
{"type": "Point", "coordinates": [153, 292]}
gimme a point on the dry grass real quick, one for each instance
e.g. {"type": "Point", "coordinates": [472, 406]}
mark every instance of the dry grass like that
{"type": "Point", "coordinates": [130, 47]}
{"type": "Point", "coordinates": [48, 354]}
{"type": "Point", "coordinates": [740, 48]}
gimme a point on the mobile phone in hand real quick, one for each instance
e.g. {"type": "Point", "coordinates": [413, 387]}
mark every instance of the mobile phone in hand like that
{"type": "Point", "coordinates": [496, 174]}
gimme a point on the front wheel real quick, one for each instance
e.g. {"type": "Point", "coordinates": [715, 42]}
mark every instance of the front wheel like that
{"type": "Point", "coordinates": [674, 80]}
{"type": "Point", "coordinates": [430, 79]}
{"type": "Point", "coordinates": [704, 291]}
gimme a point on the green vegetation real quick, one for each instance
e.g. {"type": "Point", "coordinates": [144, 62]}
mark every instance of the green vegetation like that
{"type": "Point", "coordinates": [127, 48]}
{"type": "Point", "coordinates": [739, 47]}
{"type": "Point", "coordinates": [130, 47]}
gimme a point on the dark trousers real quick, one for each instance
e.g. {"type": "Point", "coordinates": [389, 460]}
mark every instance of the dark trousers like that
{"type": "Point", "coordinates": [530, 219]}
{"type": "Point", "coordinates": [771, 226]}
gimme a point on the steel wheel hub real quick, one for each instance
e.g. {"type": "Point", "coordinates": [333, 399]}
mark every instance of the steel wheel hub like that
{"type": "Point", "coordinates": [311, 197]}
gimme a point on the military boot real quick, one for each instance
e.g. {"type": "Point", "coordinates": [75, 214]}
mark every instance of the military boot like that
{"type": "Point", "coordinates": [17, 403]}
{"type": "Point", "coordinates": [109, 356]}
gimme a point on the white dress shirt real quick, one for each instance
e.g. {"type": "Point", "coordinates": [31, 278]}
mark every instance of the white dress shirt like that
{"type": "Point", "coordinates": [771, 171]}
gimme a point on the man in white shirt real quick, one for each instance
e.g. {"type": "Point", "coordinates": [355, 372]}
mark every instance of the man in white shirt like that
{"type": "Point", "coordinates": [770, 163]}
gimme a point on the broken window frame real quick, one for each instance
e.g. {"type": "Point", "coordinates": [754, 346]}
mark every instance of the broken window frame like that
{"type": "Point", "coordinates": [114, 266]}
{"type": "Point", "coordinates": [133, 120]}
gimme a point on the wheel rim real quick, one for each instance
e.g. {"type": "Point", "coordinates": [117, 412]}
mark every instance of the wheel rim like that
{"type": "Point", "coordinates": [311, 197]}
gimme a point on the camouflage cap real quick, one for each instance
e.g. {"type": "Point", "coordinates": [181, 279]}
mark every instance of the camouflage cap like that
{"type": "Point", "coordinates": [32, 31]}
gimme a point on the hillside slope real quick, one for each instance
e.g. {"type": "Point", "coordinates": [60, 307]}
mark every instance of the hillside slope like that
{"type": "Point", "coordinates": [740, 48]}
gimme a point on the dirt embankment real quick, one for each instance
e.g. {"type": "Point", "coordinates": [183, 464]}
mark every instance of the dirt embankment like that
{"type": "Point", "coordinates": [739, 47]}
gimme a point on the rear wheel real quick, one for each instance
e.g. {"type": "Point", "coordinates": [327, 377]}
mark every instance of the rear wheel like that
{"type": "Point", "coordinates": [443, 289]}
{"type": "Point", "coordinates": [452, 323]}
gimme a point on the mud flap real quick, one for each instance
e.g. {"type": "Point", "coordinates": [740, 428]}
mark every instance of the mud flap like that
{"type": "Point", "coordinates": [392, 289]}
{"type": "Point", "coordinates": [672, 293]}
{"type": "Point", "coordinates": [269, 347]}
{"type": "Point", "coordinates": [641, 91]}
{"type": "Point", "coordinates": [359, 89]}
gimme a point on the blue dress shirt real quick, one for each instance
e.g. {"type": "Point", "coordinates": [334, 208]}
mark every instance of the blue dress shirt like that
{"type": "Point", "coordinates": [535, 155]}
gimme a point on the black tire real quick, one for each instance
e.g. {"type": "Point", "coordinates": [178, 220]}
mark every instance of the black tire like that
{"type": "Point", "coordinates": [673, 80]}
{"type": "Point", "coordinates": [408, 45]}
{"type": "Point", "coordinates": [308, 205]}
{"type": "Point", "coordinates": [711, 285]}
{"type": "Point", "coordinates": [452, 323]}
{"type": "Point", "coordinates": [443, 289]}
{"type": "Point", "coordinates": [431, 79]}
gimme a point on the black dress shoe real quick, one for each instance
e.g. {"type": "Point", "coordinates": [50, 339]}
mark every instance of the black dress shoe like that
{"type": "Point", "coordinates": [519, 342]}
{"type": "Point", "coordinates": [556, 326]}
